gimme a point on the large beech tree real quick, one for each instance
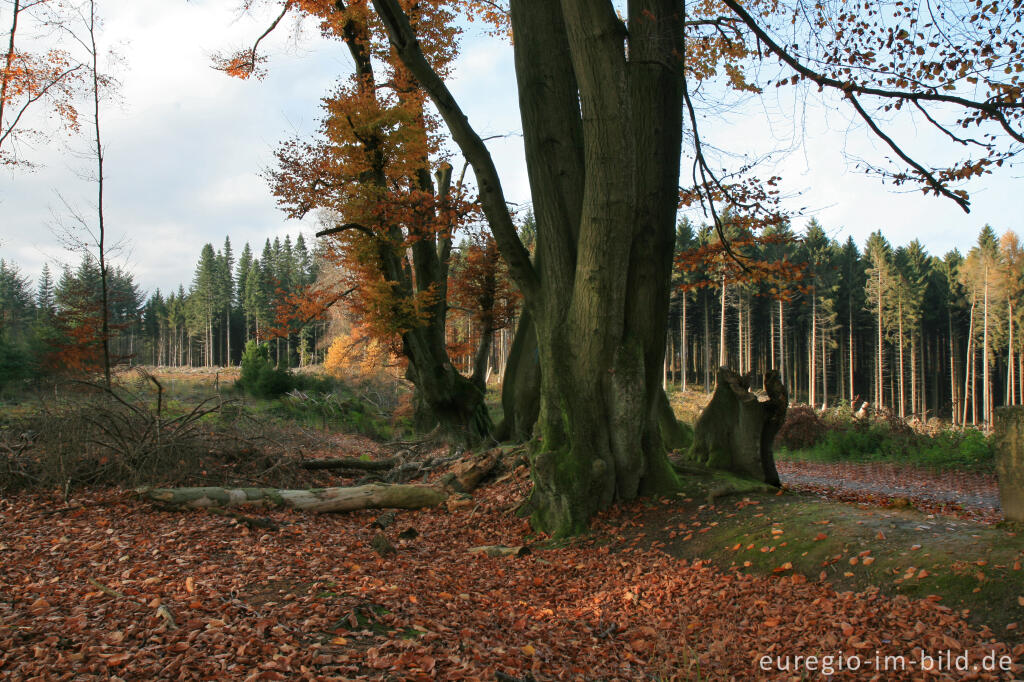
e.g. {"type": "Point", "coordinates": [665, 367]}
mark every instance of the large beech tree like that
{"type": "Point", "coordinates": [604, 89]}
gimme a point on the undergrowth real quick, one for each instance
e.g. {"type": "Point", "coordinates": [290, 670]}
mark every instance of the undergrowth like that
{"type": "Point", "coordinates": [837, 436]}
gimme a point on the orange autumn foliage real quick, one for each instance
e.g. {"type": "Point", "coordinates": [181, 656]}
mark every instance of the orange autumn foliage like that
{"type": "Point", "coordinates": [358, 355]}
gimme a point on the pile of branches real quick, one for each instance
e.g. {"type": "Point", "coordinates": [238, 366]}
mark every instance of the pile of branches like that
{"type": "Point", "coordinates": [106, 436]}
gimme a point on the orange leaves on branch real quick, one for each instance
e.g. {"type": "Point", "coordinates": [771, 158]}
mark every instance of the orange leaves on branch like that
{"type": "Point", "coordinates": [242, 64]}
{"type": "Point", "coordinates": [480, 286]}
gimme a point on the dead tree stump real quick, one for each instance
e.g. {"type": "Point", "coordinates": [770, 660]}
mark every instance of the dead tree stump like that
{"type": "Point", "coordinates": [736, 430]}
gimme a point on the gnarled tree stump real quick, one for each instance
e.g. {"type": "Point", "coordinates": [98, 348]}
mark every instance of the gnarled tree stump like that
{"type": "Point", "coordinates": [736, 430]}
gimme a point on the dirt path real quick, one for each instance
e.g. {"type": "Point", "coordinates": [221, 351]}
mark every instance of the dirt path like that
{"type": "Point", "coordinates": [970, 491]}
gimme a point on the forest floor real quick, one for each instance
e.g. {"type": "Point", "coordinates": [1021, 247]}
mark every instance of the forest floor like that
{"type": "Point", "coordinates": [678, 588]}
{"type": "Point", "coordinates": [964, 494]}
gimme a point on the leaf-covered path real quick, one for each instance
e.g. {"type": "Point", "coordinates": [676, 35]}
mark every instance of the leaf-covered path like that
{"type": "Point", "coordinates": [314, 601]}
{"type": "Point", "coordinates": [970, 494]}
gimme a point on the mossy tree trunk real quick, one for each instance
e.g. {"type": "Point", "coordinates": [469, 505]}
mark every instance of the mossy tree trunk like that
{"type": "Point", "coordinates": [737, 428]}
{"type": "Point", "coordinates": [602, 135]}
{"type": "Point", "coordinates": [603, 132]}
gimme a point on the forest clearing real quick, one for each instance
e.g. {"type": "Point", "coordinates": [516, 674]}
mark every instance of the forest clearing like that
{"type": "Point", "coordinates": [606, 352]}
{"type": "Point", "coordinates": [103, 583]}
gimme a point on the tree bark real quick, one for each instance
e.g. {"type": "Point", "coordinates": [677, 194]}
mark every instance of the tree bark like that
{"type": "Point", "coordinates": [736, 430]}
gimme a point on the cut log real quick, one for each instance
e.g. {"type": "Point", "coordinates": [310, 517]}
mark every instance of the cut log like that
{"type": "Point", "coordinates": [467, 473]}
{"type": "Point", "coordinates": [736, 430]}
{"type": "Point", "coordinates": [351, 463]}
{"type": "Point", "coordinates": [372, 496]}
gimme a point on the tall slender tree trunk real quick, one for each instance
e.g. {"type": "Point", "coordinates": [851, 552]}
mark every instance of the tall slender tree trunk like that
{"type": "Point", "coordinates": [1009, 360]}
{"type": "Point", "coordinates": [879, 374]}
{"type": "Point", "coordinates": [101, 226]}
{"type": "Point", "coordinates": [824, 373]}
{"type": "Point", "coordinates": [953, 387]}
{"type": "Point", "coordinates": [782, 345]}
{"type": "Point", "coordinates": [903, 402]}
{"type": "Point", "coordinates": [722, 359]}
{"type": "Point", "coordinates": [812, 366]}
{"type": "Point", "coordinates": [683, 348]}
{"type": "Point", "coordinates": [849, 359]}
{"type": "Point", "coordinates": [986, 386]}
{"type": "Point", "coordinates": [914, 408]}
{"type": "Point", "coordinates": [227, 336]}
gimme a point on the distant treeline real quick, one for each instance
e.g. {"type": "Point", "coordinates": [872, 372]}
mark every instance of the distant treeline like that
{"type": "Point", "coordinates": [55, 326]}
{"type": "Point", "coordinates": [900, 329]}
{"type": "Point", "coordinates": [920, 335]}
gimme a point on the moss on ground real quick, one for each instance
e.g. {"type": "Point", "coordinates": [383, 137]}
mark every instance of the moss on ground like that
{"type": "Point", "coordinates": [970, 567]}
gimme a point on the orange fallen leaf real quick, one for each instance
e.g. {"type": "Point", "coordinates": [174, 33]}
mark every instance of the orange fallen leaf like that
{"type": "Point", "coordinates": [529, 650]}
{"type": "Point", "coordinates": [117, 659]}
{"type": "Point", "coordinates": [868, 560]}
{"type": "Point", "coordinates": [190, 584]}
{"type": "Point", "coordinates": [783, 568]}
{"type": "Point", "coordinates": [819, 537]}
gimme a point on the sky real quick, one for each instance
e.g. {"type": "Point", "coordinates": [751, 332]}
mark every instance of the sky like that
{"type": "Point", "coordinates": [186, 147]}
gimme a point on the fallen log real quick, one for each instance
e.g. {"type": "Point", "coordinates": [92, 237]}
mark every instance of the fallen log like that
{"type": "Point", "coordinates": [464, 477]}
{"type": "Point", "coordinates": [351, 463]}
{"type": "Point", "coordinates": [371, 496]}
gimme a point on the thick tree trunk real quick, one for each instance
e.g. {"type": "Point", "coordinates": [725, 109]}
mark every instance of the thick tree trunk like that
{"type": "Point", "coordinates": [602, 132]}
{"type": "Point", "coordinates": [444, 397]}
{"type": "Point", "coordinates": [736, 430]}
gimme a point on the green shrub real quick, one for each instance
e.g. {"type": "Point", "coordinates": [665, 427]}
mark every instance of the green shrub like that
{"type": "Point", "coordinates": [259, 376]}
{"type": "Point", "coordinates": [854, 440]}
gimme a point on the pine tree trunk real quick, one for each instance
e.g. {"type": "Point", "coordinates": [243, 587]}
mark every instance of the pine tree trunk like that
{"type": "Point", "coordinates": [707, 346]}
{"type": "Point", "coordinates": [849, 361]}
{"type": "Point", "coordinates": [1009, 360]}
{"type": "Point", "coordinates": [824, 373]}
{"type": "Point", "coordinates": [953, 386]}
{"type": "Point", "coordinates": [914, 408]}
{"type": "Point", "coordinates": [879, 374]}
{"type": "Point", "coordinates": [903, 401]}
{"type": "Point", "coordinates": [722, 359]}
{"type": "Point", "coordinates": [986, 386]}
{"type": "Point", "coordinates": [782, 345]}
{"type": "Point", "coordinates": [812, 366]}
{"type": "Point", "coordinates": [683, 348]}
